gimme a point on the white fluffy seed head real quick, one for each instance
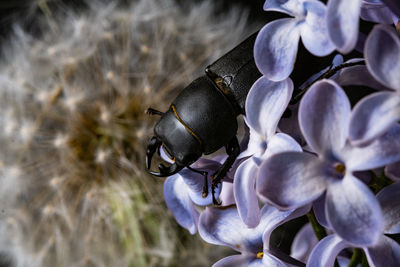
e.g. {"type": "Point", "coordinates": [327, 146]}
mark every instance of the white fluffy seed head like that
{"type": "Point", "coordinates": [73, 128]}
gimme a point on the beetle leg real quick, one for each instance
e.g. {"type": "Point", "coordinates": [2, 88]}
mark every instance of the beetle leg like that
{"type": "Point", "coordinates": [205, 186]}
{"type": "Point", "coordinates": [233, 150]}
{"type": "Point", "coordinates": [152, 111]}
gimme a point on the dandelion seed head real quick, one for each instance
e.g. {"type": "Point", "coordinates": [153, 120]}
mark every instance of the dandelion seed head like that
{"type": "Point", "coordinates": [74, 96]}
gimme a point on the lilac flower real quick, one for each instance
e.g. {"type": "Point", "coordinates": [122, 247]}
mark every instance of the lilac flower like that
{"type": "Point", "coordinates": [223, 226]}
{"type": "Point", "coordinates": [184, 189]}
{"type": "Point", "coordinates": [276, 45]}
{"type": "Point", "coordinates": [386, 252]}
{"type": "Point", "coordinates": [343, 17]}
{"type": "Point", "coordinates": [375, 114]}
{"type": "Point", "coordinates": [292, 179]}
{"type": "Point", "coordinates": [265, 104]}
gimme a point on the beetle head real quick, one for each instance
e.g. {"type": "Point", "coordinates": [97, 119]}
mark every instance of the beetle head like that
{"type": "Point", "coordinates": [178, 142]}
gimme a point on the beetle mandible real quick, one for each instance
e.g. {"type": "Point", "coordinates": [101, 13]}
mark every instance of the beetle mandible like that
{"type": "Point", "coordinates": [203, 117]}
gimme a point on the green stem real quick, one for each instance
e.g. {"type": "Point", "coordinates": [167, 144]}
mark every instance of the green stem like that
{"type": "Point", "coordinates": [356, 258]}
{"type": "Point", "coordinates": [319, 230]}
{"type": "Point", "coordinates": [364, 261]}
{"type": "Point", "coordinates": [379, 182]}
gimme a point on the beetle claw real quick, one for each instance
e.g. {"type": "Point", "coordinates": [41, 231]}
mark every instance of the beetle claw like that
{"type": "Point", "coordinates": [166, 171]}
{"type": "Point", "coordinates": [152, 147]}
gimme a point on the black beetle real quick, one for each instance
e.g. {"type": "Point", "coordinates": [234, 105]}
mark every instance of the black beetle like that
{"type": "Point", "coordinates": [202, 118]}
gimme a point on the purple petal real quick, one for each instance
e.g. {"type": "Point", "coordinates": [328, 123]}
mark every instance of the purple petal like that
{"type": "Point", "coordinates": [281, 142]}
{"type": "Point", "coordinates": [382, 151]}
{"type": "Point", "coordinates": [250, 260]}
{"type": "Point", "coordinates": [265, 104]}
{"type": "Point", "coordinates": [382, 54]}
{"type": "Point", "coordinates": [195, 181]}
{"type": "Point", "coordinates": [357, 75]}
{"type": "Point", "coordinates": [343, 262]}
{"type": "Point", "coordinates": [256, 145]}
{"type": "Point", "coordinates": [226, 197]}
{"type": "Point", "coordinates": [291, 179]}
{"type": "Point", "coordinates": [276, 217]}
{"type": "Point", "coordinates": [239, 260]}
{"type": "Point", "coordinates": [319, 211]}
{"type": "Point", "coordinates": [353, 211]}
{"type": "Point", "coordinates": [180, 204]}
{"type": "Point", "coordinates": [223, 226]}
{"type": "Point", "coordinates": [291, 125]}
{"type": "Point", "coordinates": [376, 12]}
{"type": "Point", "coordinates": [275, 48]}
{"type": "Point", "coordinates": [373, 116]}
{"type": "Point", "coordinates": [342, 17]}
{"type": "Point", "coordinates": [303, 243]}
{"type": "Point", "coordinates": [389, 198]}
{"type": "Point", "coordinates": [385, 253]}
{"type": "Point", "coordinates": [324, 116]}
{"type": "Point", "coordinates": [245, 193]}
{"type": "Point", "coordinates": [325, 252]}
{"type": "Point", "coordinates": [394, 6]}
{"type": "Point", "coordinates": [393, 171]}
{"type": "Point", "coordinates": [314, 32]}
{"type": "Point", "coordinates": [293, 8]}
{"type": "Point", "coordinates": [271, 261]}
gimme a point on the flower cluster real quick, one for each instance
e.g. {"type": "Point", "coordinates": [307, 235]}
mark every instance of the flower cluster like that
{"type": "Point", "coordinates": [338, 165]}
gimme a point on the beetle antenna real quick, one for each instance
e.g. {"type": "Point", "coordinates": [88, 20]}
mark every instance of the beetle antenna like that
{"type": "Point", "coordinates": [152, 111]}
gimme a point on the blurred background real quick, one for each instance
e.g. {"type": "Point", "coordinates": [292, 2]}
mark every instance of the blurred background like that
{"type": "Point", "coordinates": [75, 80]}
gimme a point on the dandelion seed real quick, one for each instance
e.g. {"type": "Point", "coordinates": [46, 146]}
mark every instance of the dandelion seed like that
{"type": "Point", "coordinates": [144, 49]}
{"type": "Point", "coordinates": [72, 101]}
{"type": "Point", "coordinates": [147, 90]}
{"type": "Point", "coordinates": [101, 156]}
{"type": "Point", "coordinates": [55, 181]}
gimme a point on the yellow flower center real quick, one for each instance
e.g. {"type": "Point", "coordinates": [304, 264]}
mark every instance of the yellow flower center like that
{"type": "Point", "coordinates": [260, 255]}
{"type": "Point", "coordinates": [340, 168]}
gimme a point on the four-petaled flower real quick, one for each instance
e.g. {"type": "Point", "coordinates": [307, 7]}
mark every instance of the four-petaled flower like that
{"type": "Point", "coordinates": [386, 252]}
{"type": "Point", "coordinates": [223, 226]}
{"type": "Point", "coordinates": [276, 45]}
{"type": "Point", "coordinates": [292, 179]}
{"type": "Point", "coordinates": [265, 104]}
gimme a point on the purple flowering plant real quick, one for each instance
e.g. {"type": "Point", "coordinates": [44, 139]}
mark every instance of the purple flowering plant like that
{"type": "Point", "coordinates": [340, 170]}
